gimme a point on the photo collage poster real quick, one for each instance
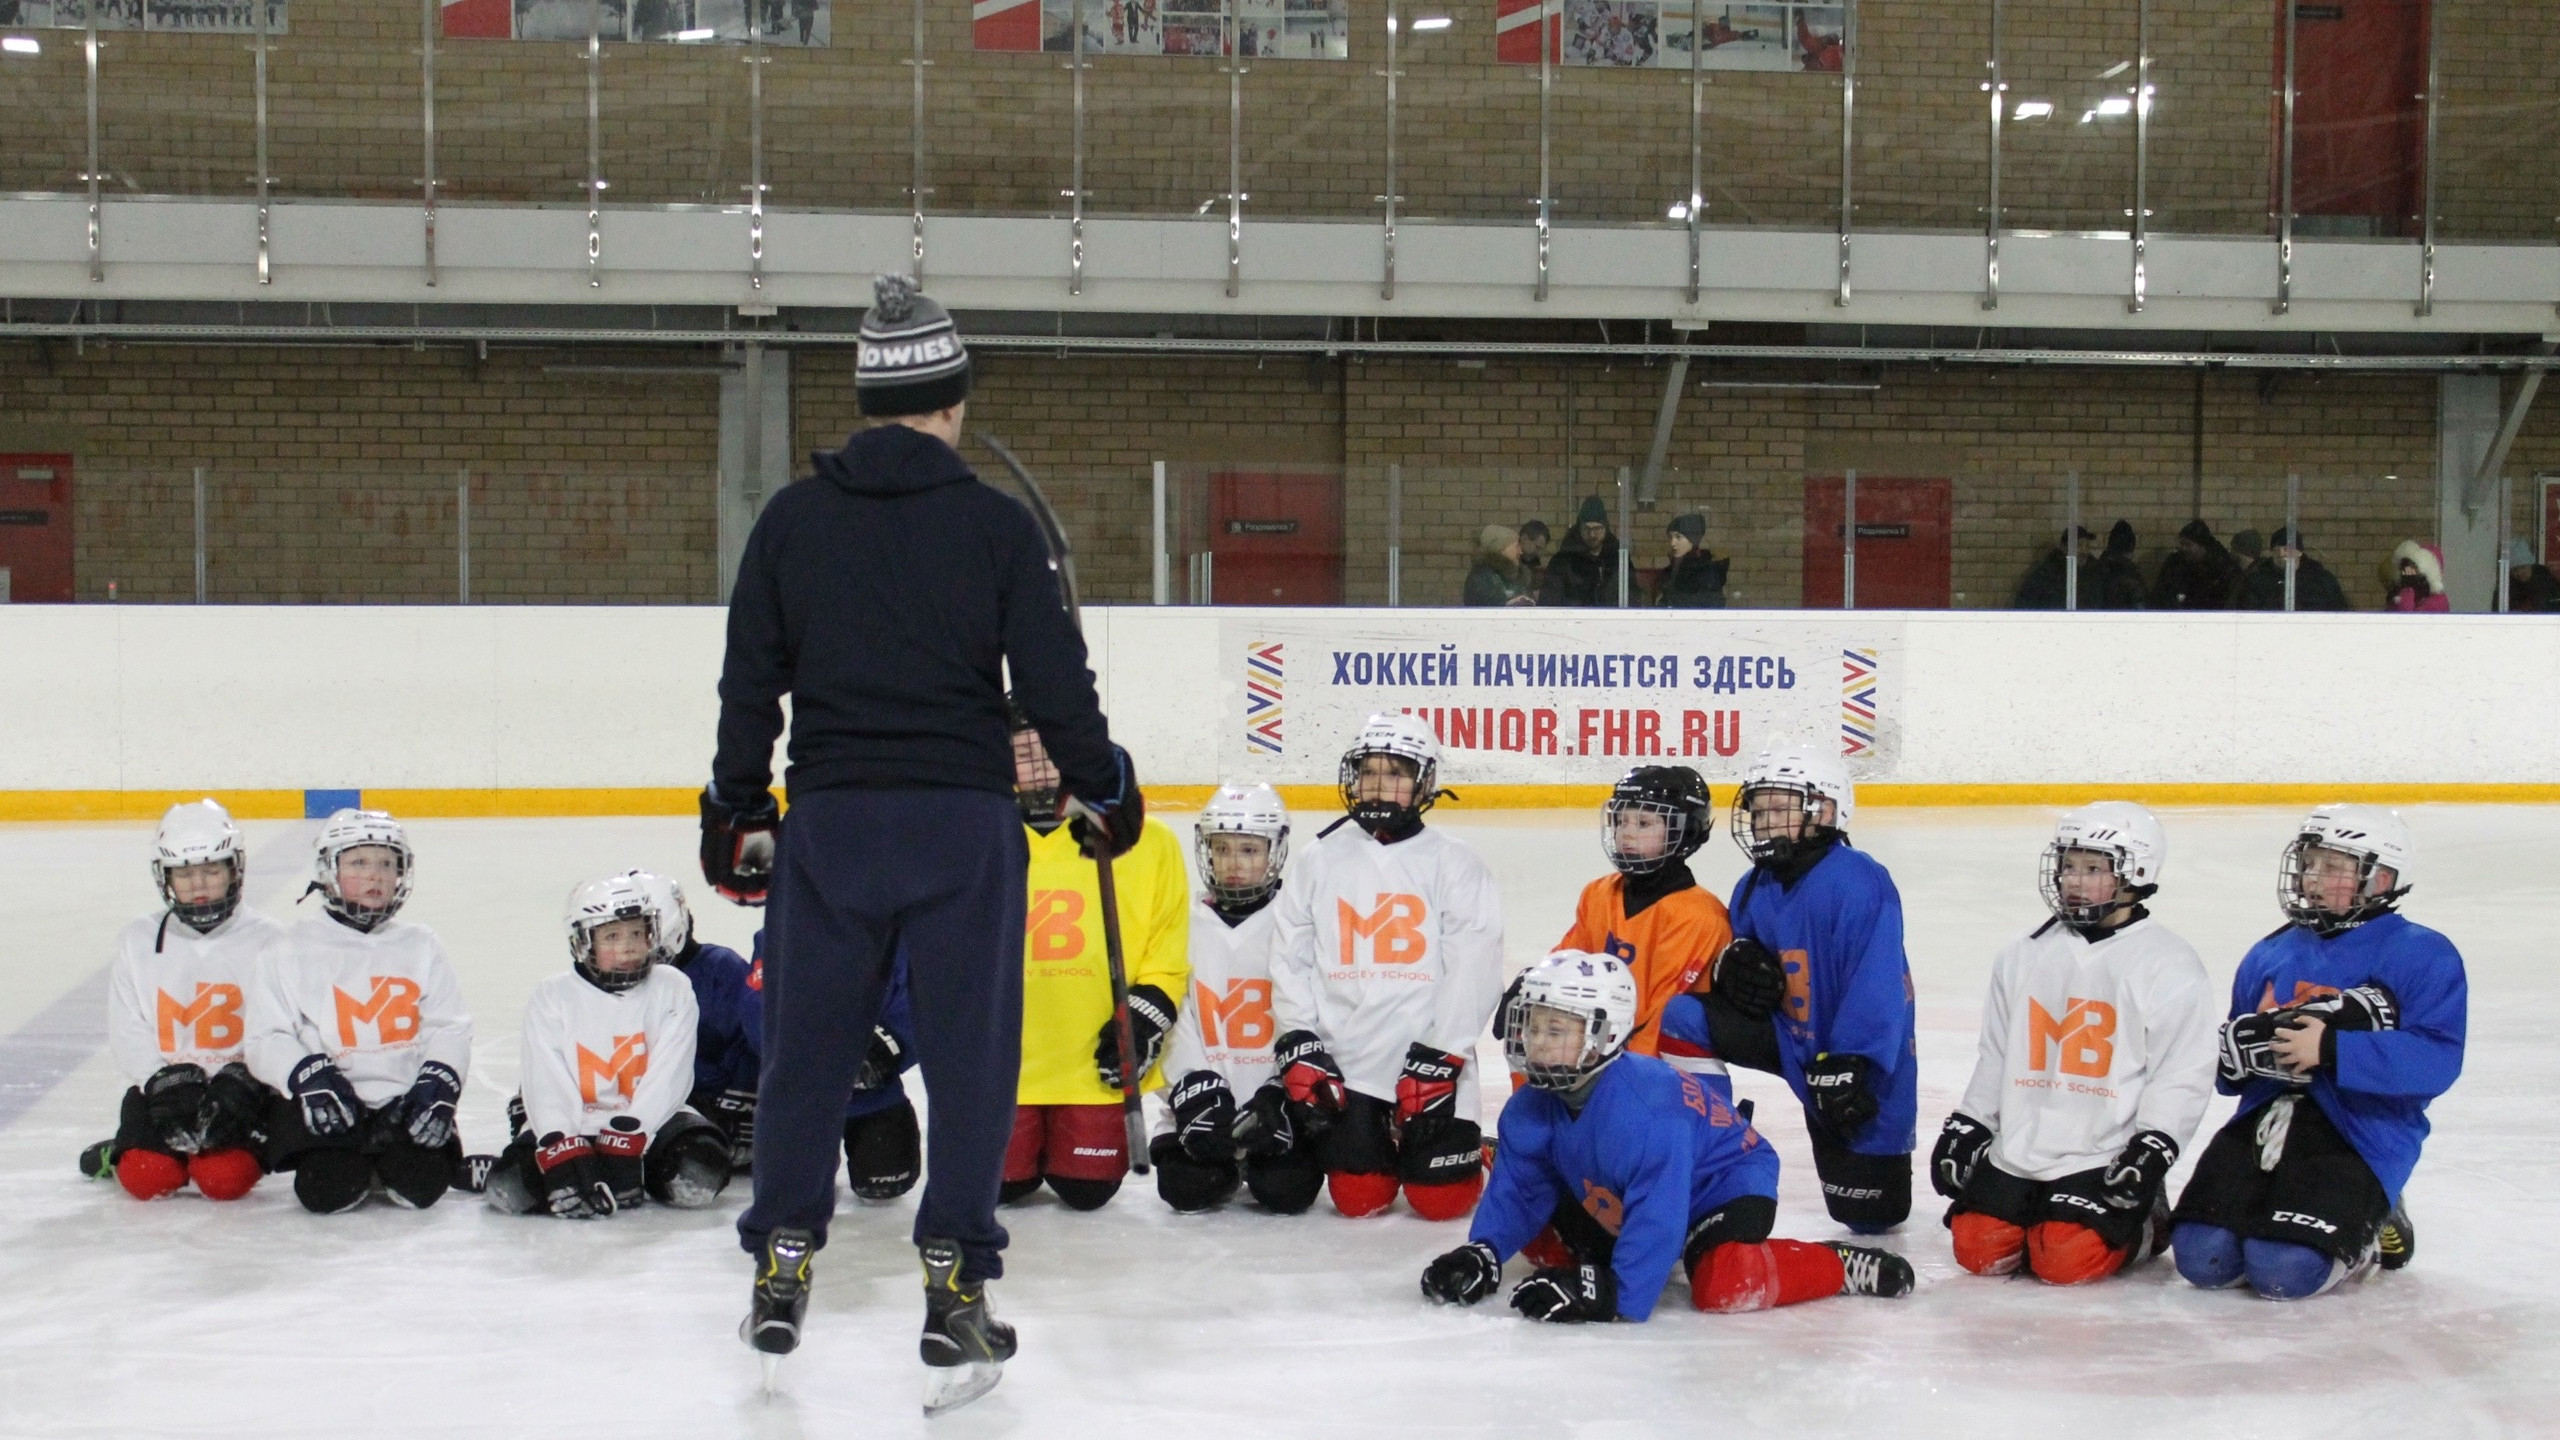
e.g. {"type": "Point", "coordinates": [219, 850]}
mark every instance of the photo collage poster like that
{"type": "Point", "coordinates": [172, 17]}
{"type": "Point", "coordinates": [1630, 34]}
{"type": "Point", "coordinates": [793, 23]}
{"type": "Point", "coordinates": [1263, 29]}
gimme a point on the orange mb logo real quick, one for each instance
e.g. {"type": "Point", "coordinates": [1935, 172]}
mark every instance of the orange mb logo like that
{"type": "Point", "coordinates": [1393, 930]}
{"type": "Point", "coordinates": [214, 1016]}
{"type": "Point", "coordinates": [392, 1011]}
{"type": "Point", "coordinates": [618, 1073]}
{"type": "Point", "coordinates": [1053, 928]}
{"type": "Point", "coordinates": [1241, 1019]}
{"type": "Point", "coordinates": [2084, 1036]}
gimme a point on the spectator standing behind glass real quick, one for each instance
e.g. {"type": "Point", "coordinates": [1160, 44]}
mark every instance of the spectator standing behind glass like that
{"type": "Point", "coordinates": [2044, 587]}
{"type": "Point", "coordinates": [1497, 578]}
{"type": "Point", "coordinates": [1585, 570]}
{"type": "Point", "coordinates": [2199, 575]}
{"type": "Point", "coordinates": [2531, 589]}
{"type": "Point", "coordinates": [1694, 578]}
{"type": "Point", "coordinates": [2115, 582]}
{"type": "Point", "coordinates": [2418, 588]}
{"type": "Point", "coordinates": [2314, 588]}
{"type": "Point", "coordinates": [1534, 540]}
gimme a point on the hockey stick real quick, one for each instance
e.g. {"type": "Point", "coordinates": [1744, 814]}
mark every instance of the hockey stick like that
{"type": "Point", "coordinates": [1062, 557]}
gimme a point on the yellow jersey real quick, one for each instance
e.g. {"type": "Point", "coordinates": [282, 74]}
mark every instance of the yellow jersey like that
{"type": "Point", "coordinates": [1066, 978]}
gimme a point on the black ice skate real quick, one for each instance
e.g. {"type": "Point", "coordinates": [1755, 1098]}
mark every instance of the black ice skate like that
{"type": "Point", "coordinates": [98, 1161]}
{"type": "Point", "coordinates": [781, 1298]}
{"type": "Point", "coordinates": [1865, 1270]}
{"type": "Point", "coordinates": [2398, 1243]}
{"type": "Point", "coordinates": [964, 1345]}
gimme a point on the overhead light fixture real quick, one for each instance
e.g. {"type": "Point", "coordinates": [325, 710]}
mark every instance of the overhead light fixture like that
{"type": "Point", "coordinates": [1432, 22]}
{"type": "Point", "coordinates": [2115, 70]}
{"type": "Point", "coordinates": [21, 45]}
{"type": "Point", "coordinates": [1679, 210]}
{"type": "Point", "coordinates": [695, 35]}
{"type": "Point", "coordinates": [2032, 110]}
{"type": "Point", "coordinates": [2116, 105]}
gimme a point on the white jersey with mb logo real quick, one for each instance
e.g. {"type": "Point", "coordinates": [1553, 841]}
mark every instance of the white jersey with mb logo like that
{"type": "Point", "coordinates": [177, 997]}
{"type": "Point", "coordinates": [590, 1054]}
{"type": "Point", "coordinates": [1226, 1025]}
{"type": "Point", "coordinates": [2084, 1045]}
{"type": "Point", "coordinates": [378, 1004]}
{"type": "Point", "coordinates": [1378, 946]}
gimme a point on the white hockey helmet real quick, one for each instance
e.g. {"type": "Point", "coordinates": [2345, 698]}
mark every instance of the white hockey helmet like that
{"type": "Point", "coordinates": [597, 903]}
{"type": "Point", "coordinates": [2376, 837]}
{"type": "Point", "coordinates": [1810, 772]}
{"type": "Point", "coordinates": [1243, 810]}
{"type": "Point", "coordinates": [1408, 737]}
{"type": "Point", "coordinates": [1596, 990]}
{"type": "Point", "coordinates": [2128, 835]}
{"type": "Point", "coordinates": [671, 919]}
{"type": "Point", "coordinates": [198, 834]}
{"type": "Point", "coordinates": [352, 830]}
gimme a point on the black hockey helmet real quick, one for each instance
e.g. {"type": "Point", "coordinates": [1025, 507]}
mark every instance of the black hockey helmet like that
{"type": "Point", "coordinates": [1678, 795]}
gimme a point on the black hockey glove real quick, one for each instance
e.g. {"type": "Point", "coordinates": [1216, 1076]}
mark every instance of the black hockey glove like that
{"type": "Point", "coordinates": [426, 1112]}
{"type": "Point", "coordinates": [235, 1108]}
{"type": "Point", "coordinates": [1265, 1127]}
{"type": "Point", "coordinates": [1150, 1018]}
{"type": "Point", "coordinates": [2134, 1178]}
{"type": "Point", "coordinates": [1440, 1150]}
{"type": "Point", "coordinates": [1749, 978]}
{"type": "Point", "coordinates": [1429, 1084]}
{"type": "Point", "coordinates": [738, 844]}
{"type": "Point", "coordinates": [1568, 1295]}
{"type": "Point", "coordinates": [1204, 1118]}
{"type": "Point", "coordinates": [1962, 1142]}
{"type": "Point", "coordinates": [2248, 1049]}
{"type": "Point", "coordinates": [1123, 814]}
{"type": "Point", "coordinates": [2370, 1006]}
{"type": "Point", "coordinates": [622, 1151]}
{"type": "Point", "coordinates": [1502, 1007]}
{"type": "Point", "coordinates": [1308, 1073]}
{"type": "Point", "coordinates": [173, 1099]}
{"type": "Point", "coordinates": [1464, 1275]}
{"type": "Point", "coordinates": [734, 1111]}
{"type": "Point", "coordinates": [879, 1064]}
{"type": "Point", "coordinates": [1837, 1089]}
{"type": "Point", "coordinates": [329, 1103]}
{"type": "Point", "coordinates": [573, 1184]}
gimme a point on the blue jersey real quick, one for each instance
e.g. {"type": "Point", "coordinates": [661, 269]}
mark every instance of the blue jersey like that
{"type": "Point", "coordinates": [1652, 1152]}
{"type": "Point", "coordinates": [1838, 930]}
{"type": "Point", "coordinates": [728, 1043]}
{"type": "Point", "coordinates": [1682, 1041]}
{"type": "Point", "coordinates": [895, 1017]}
{"type": "Point", "coordinates": [2377, 1095]}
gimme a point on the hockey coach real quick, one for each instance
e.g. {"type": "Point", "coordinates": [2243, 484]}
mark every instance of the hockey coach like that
{"type": "Point", "coordinates": [888, 595]}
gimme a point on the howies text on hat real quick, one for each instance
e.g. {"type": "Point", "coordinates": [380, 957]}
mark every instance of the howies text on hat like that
{"type": "Point", "coordinates": [910, 360]}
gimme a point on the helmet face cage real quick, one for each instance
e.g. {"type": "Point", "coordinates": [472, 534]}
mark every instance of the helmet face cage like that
{"type": "Point", "coordinates": [2069, 913]}
{"type": "Point", "coordinates": [582, 946]}
{"type": "Point", "coordinates": [1237, 897]}
{"type": "Point", "coordinates": [360, 830]}
{"type": "Point", "coordinates": [198, 834]}
{"type": "Point", "coordinates": [1372, 813]}
{"type": "Point", "coordinates": [1677, 842]}
{"type": "Point", "coordinates": [2371, 901]}
{"type": "Point", "coordinates": [1599, 1045]}
{"type": "Point", "coordinates": [200, 915]}
{"type": "Point", "coordinates": [1777, 847]}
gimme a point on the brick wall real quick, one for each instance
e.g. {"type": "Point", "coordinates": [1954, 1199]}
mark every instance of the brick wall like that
{"type": "Point", "coordinates": [344, 96]}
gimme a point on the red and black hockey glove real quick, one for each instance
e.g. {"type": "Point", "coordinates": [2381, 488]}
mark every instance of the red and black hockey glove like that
{"type": "Point", "coordinates": [1429, 1084]}
{"type": "Point", "coordinates": [573, 1184]}
{"type": "Point", "coordinates": [738, 845]}
{"type": "Point", "coordinates": [1308, 1074]}
{"type": "Point", "coordinates": [1568, 1295]}
{"type": "Point", "coordinates": [1962, 1142]}
{"type": "Point", "coordinates": [622, 1154]}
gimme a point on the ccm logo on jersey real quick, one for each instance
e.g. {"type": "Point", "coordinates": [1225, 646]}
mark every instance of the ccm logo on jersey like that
{"type": "Point", "coordinates": [1238, 1020]}
{"type": "Point", "coordinates": [2296, 1217]}
{"type": "Point", "coordinates": [619, 1072]}
{"type": "Point", "coordinates": [2084, 1036]}
{"type": "Point", "coordinates": [1393, 930]}
{"type": "Point", "coordinates": [392, 1011]}
{"type": "Point", "coordinates": [214, 1016]}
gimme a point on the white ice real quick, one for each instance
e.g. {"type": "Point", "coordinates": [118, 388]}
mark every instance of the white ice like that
{"type": "Point", "coordinates": [183, 1317]}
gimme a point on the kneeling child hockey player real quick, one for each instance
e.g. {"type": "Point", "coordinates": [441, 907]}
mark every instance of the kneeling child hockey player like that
{"type": "Point", "coordinates": [1639, 1167]}
{"type": "Point", "coordinates": [174, 1021]}
{"type": "Point", "coordinates": [1651, 913]}
{"type": "Point", "coordinates": [2096, 1063]}
{"type": "Point", "coordinates": [357, 1019]}
{"type": "Point", "coordinates": [1385, 965]}
{"type": "Point", "coordinates": [2356, 1010]}
{"type": "Point", "coordinates": [1221, 1045]}
{"type": "Point", "coordinates": [606, 1060]}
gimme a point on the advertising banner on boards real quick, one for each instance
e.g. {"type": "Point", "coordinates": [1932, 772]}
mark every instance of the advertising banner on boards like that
{"type": "Point", "coordinates": [1548, 701]}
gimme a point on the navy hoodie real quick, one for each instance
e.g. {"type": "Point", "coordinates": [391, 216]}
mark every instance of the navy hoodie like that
{"type": "Point", "coordinates": [887, 596]}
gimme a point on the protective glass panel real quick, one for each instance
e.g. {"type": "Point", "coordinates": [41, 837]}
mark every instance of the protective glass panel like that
{"type": "Point", "coordinates": [2067, 138]}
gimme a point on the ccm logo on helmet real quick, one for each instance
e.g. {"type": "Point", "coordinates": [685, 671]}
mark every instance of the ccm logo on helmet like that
{"type": "Point", "coordinates": [2296, 1217]}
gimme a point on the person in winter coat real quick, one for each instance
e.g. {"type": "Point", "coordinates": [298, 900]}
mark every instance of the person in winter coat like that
{"type": "Point", "coordinates": [2531, 590]}
{"type": "Point", "coordinates": [1585, 570]}
{"type": "Point", "coordinates": [2418, 587]}
{"type": "Point", "coordinates": [1498, 578]}
{"type": "Point", "coordinates": [1694, 578]}
{"type": "Point", "coordinates": [1534, 540]}
{"type": "Point", "coordinates": [2118, 580]}
{"type": "Point", "coordinates": [2199, 575]}
{"type": "Point", "coordinates": [2047, 586]}
{"type": "Point", "coordinates": [2314, 588]}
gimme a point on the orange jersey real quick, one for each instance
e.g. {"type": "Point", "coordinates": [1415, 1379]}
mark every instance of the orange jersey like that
{"type": "Point", "coordinates": [1668, 947]}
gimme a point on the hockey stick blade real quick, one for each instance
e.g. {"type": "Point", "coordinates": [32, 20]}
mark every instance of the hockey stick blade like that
{"type": "Point", "coordinates": [948, 1387]}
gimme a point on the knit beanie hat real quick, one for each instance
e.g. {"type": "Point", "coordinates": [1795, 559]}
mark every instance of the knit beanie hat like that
{"type": "Point", "coordinates": [911, 361]}
{"type": "Point", "coordinates": [1495, 537]}
{"type": "Point", "coordinates": [1693, 525]}
{"type": "Point", "coordinates": [1594, 511]}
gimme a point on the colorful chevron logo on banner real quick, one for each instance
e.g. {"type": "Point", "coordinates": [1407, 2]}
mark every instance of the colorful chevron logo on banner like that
{"type": "Point", "coordinates": [1857, 702]}
{"type": "Point", "coordinates": [1263, 687]}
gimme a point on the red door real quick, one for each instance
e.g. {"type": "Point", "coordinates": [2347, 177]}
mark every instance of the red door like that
{"type": "Point", "coordinates": [1906, 542]}
{"type": "Point", "coordinates": [1275, 537]}
{"type": "Point", "coordinates": [35, 528]}
{"type": "Point", "coordinates": [2359, 126]}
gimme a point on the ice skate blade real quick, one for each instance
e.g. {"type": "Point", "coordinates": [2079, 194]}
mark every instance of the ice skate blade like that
{"type": "Point", "coordinates": [772, 1374]}
{"type": "Point", "coordinates": [948, 1387]}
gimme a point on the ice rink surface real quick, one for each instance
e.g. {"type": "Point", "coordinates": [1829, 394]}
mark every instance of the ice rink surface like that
{"type": "Point", "coordinates": [185, 1318]}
